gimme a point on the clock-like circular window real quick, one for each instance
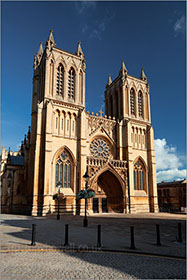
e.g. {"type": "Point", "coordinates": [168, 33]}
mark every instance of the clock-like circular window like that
{"type": "Point", "coordinates": [99, 148]}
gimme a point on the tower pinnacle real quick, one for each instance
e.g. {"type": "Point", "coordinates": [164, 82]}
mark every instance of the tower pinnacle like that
{"type": "Point", "coordinates": [109, 81]}
{"type": "Point", "coordinates": [79, 51]}
{"type": "Point", "coordinates": [143, 76]}
{"type": "Point", "coordinates": [123, 69]}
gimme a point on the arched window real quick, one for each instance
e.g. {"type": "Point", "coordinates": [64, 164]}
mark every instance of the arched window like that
{"type": "Point", "coordinates": [139, 175]}
{"type": "Point", "coordinates": [71, 83]}
{"type": "Point", "coordinates": [64, 170]}
{"type": "Point", "coordinates": [60, 80]}
{"type": "Point", "coordinates": [140, 104]}
{"type": "Point", "coordinates": [132, 101]}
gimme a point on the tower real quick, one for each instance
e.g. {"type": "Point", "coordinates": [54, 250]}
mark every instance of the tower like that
{"type": "Point", "coordinates": [57, 105]}
{"type": "Point", "coordinates": [127, 99]}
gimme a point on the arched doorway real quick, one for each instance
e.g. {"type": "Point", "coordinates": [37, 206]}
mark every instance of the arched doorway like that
{"type": "Point", "coordinates": [109, 194]}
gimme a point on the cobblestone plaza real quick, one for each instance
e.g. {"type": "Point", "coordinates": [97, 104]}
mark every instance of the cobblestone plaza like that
{"type": "Point", "coordinates": [88, 265]}
{"type": "Point", "coordinates": [20, 260]}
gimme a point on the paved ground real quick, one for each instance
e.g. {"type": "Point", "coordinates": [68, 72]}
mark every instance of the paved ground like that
{"type": "Point", "coordinates": [88, 265]}
{"type": "Point", "coordinates": [16, 232]}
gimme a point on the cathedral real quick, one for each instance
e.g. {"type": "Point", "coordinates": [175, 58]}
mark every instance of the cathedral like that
{"type": "Point", "coordinates": [65, 140]}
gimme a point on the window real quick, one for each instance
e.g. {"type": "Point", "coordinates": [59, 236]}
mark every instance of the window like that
{"type": "Point", "coordinates": [132, 101]}
{"type": "Point", "coordinates": [67, 124]}
{"type": "Point", "coordinates": [64, 170]}
{"type": "Point", "coordinates": [71, 83]}
{"type": "Point", "coordinates": [62, 123]}
{"type": "Point", "coordinates": [139, 176]}
{"type": "Point", "coordinates": [56, 122]}
{"type": "Point", "coordinates": [60, 80]}
{"type": "Point", "coordinates": [140, 104]}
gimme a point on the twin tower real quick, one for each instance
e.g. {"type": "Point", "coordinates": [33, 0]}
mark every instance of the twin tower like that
{"type": "Point", "coordinates": [117, 148]}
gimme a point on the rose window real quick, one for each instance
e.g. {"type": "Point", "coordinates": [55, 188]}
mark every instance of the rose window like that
{"type": "Point", "coordinates": [99, 148]}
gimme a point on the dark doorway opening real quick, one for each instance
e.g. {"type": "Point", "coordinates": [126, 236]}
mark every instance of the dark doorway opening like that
{"type": "Point", "coordinates": [95, 205]}
{"type": "Point", "coordinates": [104, 205]}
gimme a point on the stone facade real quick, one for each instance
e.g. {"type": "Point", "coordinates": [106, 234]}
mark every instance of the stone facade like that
{"type": "Point", "coordinates": [117, 148]}
{"type": "Point", "coordinates": [172, 196]}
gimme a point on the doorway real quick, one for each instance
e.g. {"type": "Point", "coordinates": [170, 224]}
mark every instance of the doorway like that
{"type": "Point", "coordinates": [104, 205]}
{"type": "Point", "coordinates": [95, 205]}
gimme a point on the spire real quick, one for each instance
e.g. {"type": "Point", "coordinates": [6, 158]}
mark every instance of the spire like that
{"type": "Point", "coordinates": [51, 38]}
{"type": "Point", "coordinates": [38, 56]}
{"type": "Point", "coordinates": [79, 51]}
{"type": "Point", "coordinates": [123, 70]}
{"type": "Point", "coordinates": [109, 81]}
{"type": "Point", "coordinates": [143, 76]}
{"type": "Point", "coordinates": [40, 51]}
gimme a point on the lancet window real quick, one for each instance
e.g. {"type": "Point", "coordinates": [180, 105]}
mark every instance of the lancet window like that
{"type": "Point", "coordinates": [71, 83]}
{"type": "Point", "coordinates": [60, 80]}
{"type": "Point", "coordinates": [132, 102]}
{"type": "Point", "coordinates": [139, 176]}
{"type": "Point", "coordinates": [64, 170]}
{"type": "Point", "coordinates": [140, 104]}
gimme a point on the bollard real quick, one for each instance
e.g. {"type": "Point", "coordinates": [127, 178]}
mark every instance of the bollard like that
{"type": "Point", "coordinates": [33, 235]}
{"type": "Point", "coordinates": [179, 239]}
{"type": "Point", "coordinates": [99, 236]}
{"type": "Point", "coordinates": [66, 235]}
{"type": "Point", "coordinates": [132, 237]}
{"type": "Point", "coordinates": [158, 235]}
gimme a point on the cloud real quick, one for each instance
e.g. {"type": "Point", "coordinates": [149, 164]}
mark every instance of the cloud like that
{"type": "Point", "coordinates": [83, 6]}
{"type": "Point", "coordinates": [96, 28]}
{"type": "Point", "coordinates": [166, 156]}
{"type": "Point", "coordinates": [179, 26]}
{"type": "Point", "coordinates": [168, 162]}
{"type": "Point", "coordinates": [171, 174]}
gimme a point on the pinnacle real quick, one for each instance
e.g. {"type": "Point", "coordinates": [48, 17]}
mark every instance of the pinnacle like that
{"type": "Point", "coordinates": [109, 81]}
{"type": "Point", "coordinates": [143, 76]}
{"type": "Point", "coordinates": [79, 51]}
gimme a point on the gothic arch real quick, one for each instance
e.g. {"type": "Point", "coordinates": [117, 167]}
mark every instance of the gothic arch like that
{"type": "Point", "coordinates": [61, 60]}
{"type": "Point", "coordinates": [140, 174]}
{"type": "Point", "coordinates": [59, 151]}
{"type": "Point", "coordinates": [109, 183]}
{"type": "Point", "coordinates": [107, 167]}
{"type": "Point", "coordinates": [142, 160]}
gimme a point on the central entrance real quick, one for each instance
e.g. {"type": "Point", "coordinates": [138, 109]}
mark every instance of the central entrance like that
{"type": "Point", "coordinates": [109, 194]}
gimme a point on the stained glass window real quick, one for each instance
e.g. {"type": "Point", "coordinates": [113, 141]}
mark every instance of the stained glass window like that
{"type": "Point", "coordinates": [64, 170]}
{"type": "Point", "coordinates": [132, 101]}
{"type": "Point", "coordinates": [100, 148]}
{"type": "Point", "coordinates": [60, 80]}
{"type": "Point", "coordinates": [139, 174]}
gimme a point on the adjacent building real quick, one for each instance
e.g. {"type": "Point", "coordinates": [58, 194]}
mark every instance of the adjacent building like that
{"type": "Point", "coordinates": [172, 196]}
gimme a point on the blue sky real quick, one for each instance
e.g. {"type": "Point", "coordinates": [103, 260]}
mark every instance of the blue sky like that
{"type": "Point", "coordinates": [144, 34]}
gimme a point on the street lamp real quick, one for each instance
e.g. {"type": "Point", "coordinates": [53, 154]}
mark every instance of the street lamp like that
{"type": "Point", "coordinates": [86, 178]}
{"type": "Point", "coordinates": [58, 186]}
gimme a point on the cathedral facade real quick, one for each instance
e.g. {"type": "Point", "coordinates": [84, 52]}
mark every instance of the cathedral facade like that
{"type": "Point", "coordinates": [117, 148]}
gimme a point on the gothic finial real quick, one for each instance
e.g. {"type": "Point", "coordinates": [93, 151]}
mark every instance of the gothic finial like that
{"type": "Point", "coordinates": [123, 69]}
{"type": "Point", "coordinates": [143, 76]}
{"type": "Point", "coordinates": [40, 51]}
{"type": "Point", "coordinates": [51, 38]}
{"type": "Point", "coordinates": [109, 81]}
{"type": "Point", "coordinates": [79, 51]}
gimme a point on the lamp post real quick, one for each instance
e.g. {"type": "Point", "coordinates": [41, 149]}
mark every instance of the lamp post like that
{"type": "Point", "coordinates": [58, 215]}
{"type": "Point", "coordinates": [86, 178]}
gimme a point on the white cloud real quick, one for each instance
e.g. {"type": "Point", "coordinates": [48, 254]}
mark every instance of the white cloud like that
{"type": "Point", "coordinates": [171, 174]}
{"type": "Point", "coordinates": [168, 162]}
{"type": "Point", "coordinates": [179, 26]}
{"type": "Point", "coordinates": [82, 6]}
{"type": "Point", "coordinates": [166, 157]}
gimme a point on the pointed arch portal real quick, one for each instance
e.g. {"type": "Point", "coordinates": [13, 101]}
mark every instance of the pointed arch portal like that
{"type": "Point", "coordinates": [109, 194]}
